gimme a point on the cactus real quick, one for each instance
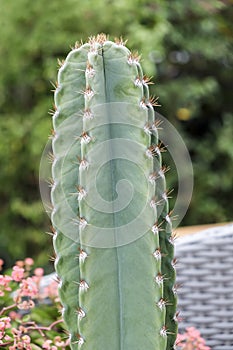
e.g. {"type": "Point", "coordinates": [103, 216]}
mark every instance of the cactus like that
{"type": "Point", "coordinates": [116, 280]}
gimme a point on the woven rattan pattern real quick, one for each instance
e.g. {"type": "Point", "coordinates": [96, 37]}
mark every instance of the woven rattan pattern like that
{"type": "Point", "coordinates": [205, 273]}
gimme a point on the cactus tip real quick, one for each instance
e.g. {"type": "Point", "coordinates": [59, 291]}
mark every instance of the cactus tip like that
{"type": "Point", "coordinates": [77, 45]}
{"type": "Point", "coordinates": [120, 41]}
{"type": "Point", "coordinates": [134, 58]}
{"type": "Point", "coordinates": [98, 39]}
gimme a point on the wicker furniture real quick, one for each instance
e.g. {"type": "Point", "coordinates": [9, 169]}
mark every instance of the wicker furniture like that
{"type": "Point", "coordinates": [205, 272]}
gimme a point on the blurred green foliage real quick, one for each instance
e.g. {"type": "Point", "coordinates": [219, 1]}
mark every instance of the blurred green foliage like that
{"type": "Point", "coordinates": [185, 45]}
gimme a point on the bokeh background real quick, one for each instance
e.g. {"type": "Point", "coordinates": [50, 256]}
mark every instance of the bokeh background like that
{"type": "Point", "coordinates": [186, 46]}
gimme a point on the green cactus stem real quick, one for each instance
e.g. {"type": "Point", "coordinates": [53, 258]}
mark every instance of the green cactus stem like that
{"type": "Point", "coordinates": [113, 262]}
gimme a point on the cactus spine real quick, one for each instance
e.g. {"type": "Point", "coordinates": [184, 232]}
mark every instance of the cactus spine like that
{"type": "Point", "coordinates": [118, 294]}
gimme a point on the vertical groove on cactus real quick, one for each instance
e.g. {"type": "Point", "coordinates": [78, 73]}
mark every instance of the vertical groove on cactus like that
{"type": "Point", "coordinates": [114, 296]}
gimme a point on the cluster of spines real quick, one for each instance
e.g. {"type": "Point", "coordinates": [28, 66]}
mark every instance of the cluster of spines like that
{"type": "Point", "coordinates": [162, 227]}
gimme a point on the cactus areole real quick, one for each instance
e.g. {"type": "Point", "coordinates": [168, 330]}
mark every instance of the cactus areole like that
{"type": "Point", "coordinates": [112, 226]}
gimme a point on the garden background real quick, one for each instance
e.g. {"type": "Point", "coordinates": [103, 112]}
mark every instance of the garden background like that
{"type": "Point", "coordinates": [186, 46]}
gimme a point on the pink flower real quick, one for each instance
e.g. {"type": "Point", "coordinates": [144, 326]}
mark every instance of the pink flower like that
{"type": "Point", "coordinates": [61, 343]}
{"type": "Point", "coordinates": [5, 322]}
{"type": "Point", "coordinates": [26, 339]}
{"type": "Point", "coordinates": [4, 284]}
{"type": "Point", "coordinates": [1, 263]}
{"type": "Point", "coordinates": [47, 345]}
{"type": "Point", "coordinates": [20, 263]}
{"type": "Point", "coordinates": [29, 261]}
{"type": "Point", "coordinates": [191, 340]}
{"type": "Point", "coordinates": [193, 333]}
{"type": "Point", "coordinates": [14, 315]}
{"type": "Point", "coordinates": [28, 288]}
{"type": "Point", "coordinates": [39, 272]}
{"type": "Point", "coordinates": [26, 305]}
{"type": "Point", "coordinates": [180, 338]}
{"type": "Point", "coordinates": [7, 338]}
{"type": "Point", "coordinates": [51, 291]}
{"type": "Point", "coordinates": [17, 273]}
{"type": "Point", "coordinates": [21, 340]}
{"type": "Point", "coordinates": [20, 345]}
{"type": "Point", "coordinates": [5, 280]}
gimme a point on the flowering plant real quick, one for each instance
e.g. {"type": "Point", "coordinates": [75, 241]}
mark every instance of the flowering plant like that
{"type": "Point", "coordinates": [191, 340]}
{"type": "Point", "coordinates": [24, 325]}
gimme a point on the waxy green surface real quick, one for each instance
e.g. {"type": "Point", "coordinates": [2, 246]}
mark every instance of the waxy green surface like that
{"type": "Point", "coordinates": [110, 297]}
